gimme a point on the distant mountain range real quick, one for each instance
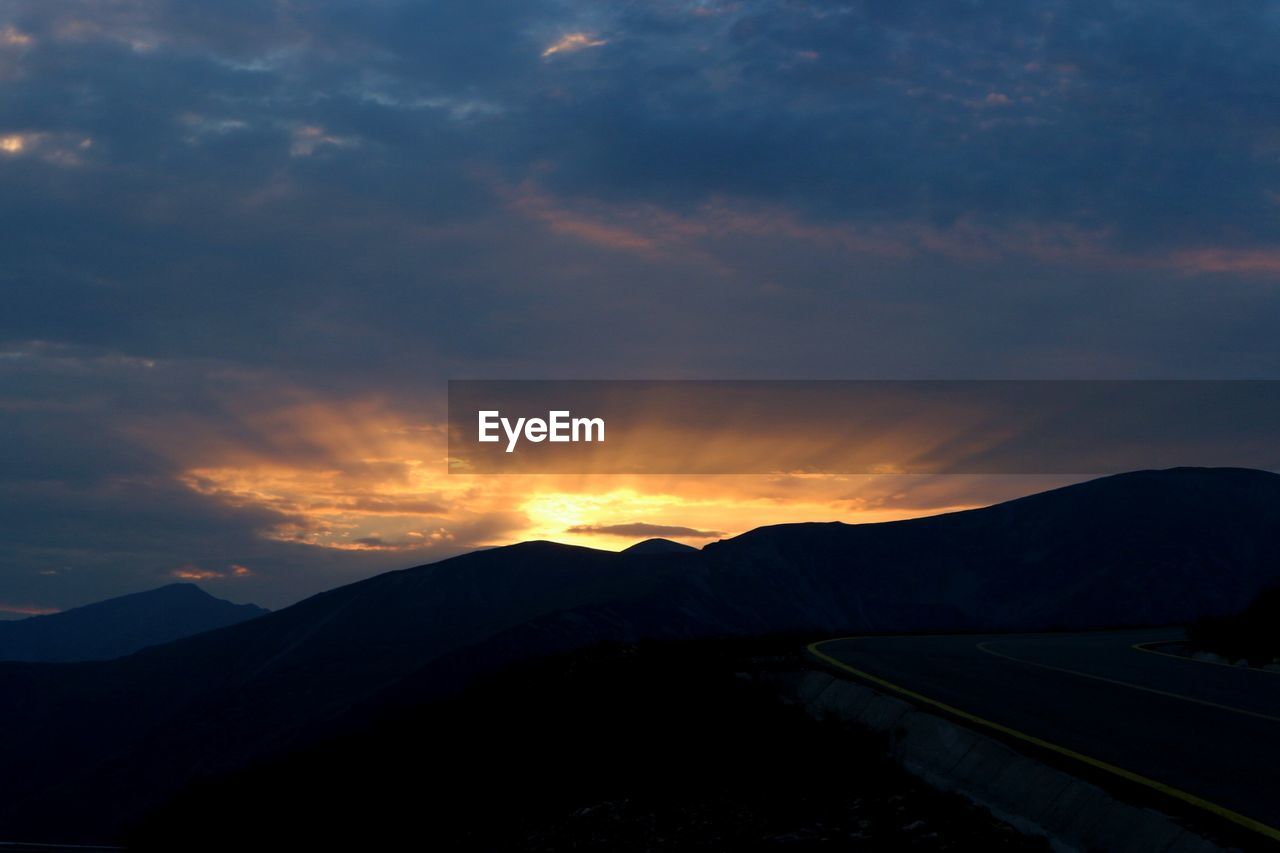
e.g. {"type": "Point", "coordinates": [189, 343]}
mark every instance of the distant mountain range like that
{"type": "Point", "coordinates": [102, 742]}
{"type": "Point", "coordinates": [120, 626]}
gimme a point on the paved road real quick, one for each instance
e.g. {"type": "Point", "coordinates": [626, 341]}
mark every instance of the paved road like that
{"type": "Point", "coordinates": [1212, 731]}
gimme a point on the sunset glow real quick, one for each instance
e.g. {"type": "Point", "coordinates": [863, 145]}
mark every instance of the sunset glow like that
{"type": "Point", "coordinates": [602, 408]}
{"type": "Point", "coordinates": [245, 255]}
{"type": "Point", "coordinates": [366, 479]}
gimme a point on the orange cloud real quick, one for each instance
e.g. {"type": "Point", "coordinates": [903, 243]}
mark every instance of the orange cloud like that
{"type": "Point", "coordinates": [572, 42]}
{"type": "Point", "coordinates": [587, 226]}
{"type": "Point", "coordinates": [648, 229]}
{"type": "Point", "coordinates": [16, 143]}
{"type": "Point", "coordinates": [12, 37]}
{"type": "Point", "coordinates": [310, 138]}
{"type": "Point", "coordinates": [59, 149]}
{"type": "Point", "coordinates": [192, 572]}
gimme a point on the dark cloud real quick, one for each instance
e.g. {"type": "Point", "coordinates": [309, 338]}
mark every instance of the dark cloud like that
{"type": "Point", "coordinates": [640, 528]}
{"type": "Point", "coordinates": [210, 208]}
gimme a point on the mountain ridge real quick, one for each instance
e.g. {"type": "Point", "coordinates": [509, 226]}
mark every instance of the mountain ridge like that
{"type": "Point", "coordinates": [658, 546]}
{"type": "Point", "coordinates": [120, 626]}
{"type": "Point", "coordinates": [1141, 548]}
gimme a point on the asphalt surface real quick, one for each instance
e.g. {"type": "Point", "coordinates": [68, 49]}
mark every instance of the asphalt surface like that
{"type": "Point", "coordinates": [1212, 731]}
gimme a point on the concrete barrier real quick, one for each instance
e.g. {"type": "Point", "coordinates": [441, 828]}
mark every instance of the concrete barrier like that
{"type": "Point", "coordinates": [1029, 794]}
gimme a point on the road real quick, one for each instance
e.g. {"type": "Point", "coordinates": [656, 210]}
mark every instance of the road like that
{"type": "Point", "coordinates": [1209, 731]}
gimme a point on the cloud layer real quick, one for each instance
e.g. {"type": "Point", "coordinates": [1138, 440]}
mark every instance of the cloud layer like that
{"type": "Point", "coordinates": [244, 239]}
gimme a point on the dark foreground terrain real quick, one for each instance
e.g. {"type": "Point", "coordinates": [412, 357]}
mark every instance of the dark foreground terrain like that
{"type": "Point", "coordinates": [1252, 636]}
{"type": "Point", "coordinates": [617, 748]}
{"type": "Point", "coordinates": [102, 744]}
{"type": "Point", "coordinates": [1206, 731]}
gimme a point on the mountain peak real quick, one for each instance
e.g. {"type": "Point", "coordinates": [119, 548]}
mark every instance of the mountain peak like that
{"type": "Point", "coordinates": [120, 626]}
{"type": "Point", "coordinates": [178, 590]}
{"type": "Point", "coordinates": [658, 546]}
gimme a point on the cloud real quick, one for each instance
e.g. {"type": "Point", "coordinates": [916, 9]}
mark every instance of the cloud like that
{"type": "Point", "coordinates": [311, 490]}
{"type": "Point", "coordinates": [192, 572]}
{"type": "Point", "coordinates": [640, 528]}
{"type": "Point", "coordinates": [18, 611]}
{"type": "Point", "coordinates": [59, 149]}
{"type": "Point", "coordinates": [309, 138]}
{"type": "Point", "coordinates": [1228, 260]}
{"type": "Point", "coordinates": [571, 42]}
{"type": "Point", "coordinates": [233, 298]}
{"type": "Point", "coordinates": [11, 37]}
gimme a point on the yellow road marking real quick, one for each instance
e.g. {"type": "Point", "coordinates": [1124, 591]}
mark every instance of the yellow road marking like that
{"type": "Point", "coordinates": [1143, 647]}
{"type": "Point", "coordinates": [1128, 775]}
{"type": "Point", "coordinates": [985, 647]}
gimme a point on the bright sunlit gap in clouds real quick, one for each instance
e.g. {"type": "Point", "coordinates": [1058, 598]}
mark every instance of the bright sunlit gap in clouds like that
{"type": "Point", "coordinates": [363, 478]}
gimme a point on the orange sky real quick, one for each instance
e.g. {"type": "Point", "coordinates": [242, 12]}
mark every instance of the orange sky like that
{"type": "Point", "coordinates": [361, 476]}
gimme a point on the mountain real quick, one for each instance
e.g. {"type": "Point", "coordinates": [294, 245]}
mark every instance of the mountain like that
{"type": "Point", "coordinates": [658, 546]}
{"type": "Point", "coordinates": [1149, 547]}
{"type": "Point", "coordinates": [142, 726]}
{"type": "Point", "coordinates": [100, 743]}
{"type": "Point", "coordinates": [120, 626]}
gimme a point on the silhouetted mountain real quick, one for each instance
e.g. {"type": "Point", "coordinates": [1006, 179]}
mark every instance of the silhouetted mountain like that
{"type": "Point", "coordinates": [101, 742]}
{"type": "Point", "coordinates": [1150, 547]}
{"type": "Point", "coordinates": [120, 626]}
{"type": "Point", "coordinates": [141, 726]}
{"type": "Point", "coordinates": [658, 546]}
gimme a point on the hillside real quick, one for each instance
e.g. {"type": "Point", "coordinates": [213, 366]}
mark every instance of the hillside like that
{"type": "Point", "coordinates": [120, 626]}
{"type": "Point", "coordinates": [654, 746]}
{"type": "Point", "coordinates": [1150, 547]}
{"type": "Point", "coordinates": [1252, 636]}
{"type": "Point", "coordinates": [1142, 548]}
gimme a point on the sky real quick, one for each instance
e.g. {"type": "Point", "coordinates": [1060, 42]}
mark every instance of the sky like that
{"type": "Point", "coordinates": [245, 244]}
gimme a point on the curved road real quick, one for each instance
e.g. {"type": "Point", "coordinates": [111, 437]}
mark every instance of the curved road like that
{"type": "Point", "coordinates": [1208, 730]}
